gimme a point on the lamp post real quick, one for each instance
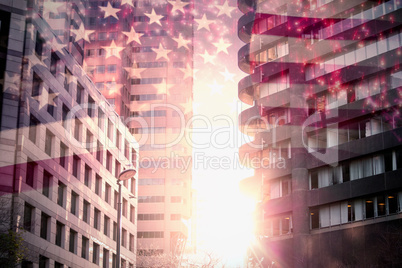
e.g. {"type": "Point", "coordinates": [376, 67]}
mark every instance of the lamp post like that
{"type": "Point", "coordinates": [123, 176]}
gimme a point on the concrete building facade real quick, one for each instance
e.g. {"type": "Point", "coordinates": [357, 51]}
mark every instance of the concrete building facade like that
{"type": "Point", "coordinates": [324, 83]}
{"type": "Point", "coordinates": [62, 143]}
{"type": "Point", "coordinates": [151, 87]}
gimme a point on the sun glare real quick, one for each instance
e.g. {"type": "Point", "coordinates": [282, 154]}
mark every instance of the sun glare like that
{"type": "Point", "coordinates": [224, 219]}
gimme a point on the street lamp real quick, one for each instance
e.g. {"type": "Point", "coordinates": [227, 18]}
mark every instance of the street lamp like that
{"type": "Point", "coordinates": [123, 176]}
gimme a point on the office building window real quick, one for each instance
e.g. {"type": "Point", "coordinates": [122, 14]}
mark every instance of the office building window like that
{"type": "Point", "coordinates": [67, 79]}
{"type": "Point", "coordinates": [39, 42]}
{"type": "Point", "coordinates": [106, 225]}
{"type": "Point", "coordinates": [73, 241]}
{"type": "Point", "coordinates": [116, 199]}
{"type": "Point", "coordinates": [97, 218]}
{"type": "Point", "coordinates": [111, 68]}
{"type": "Point", "coordinates": [49, 142]}
{"type": "Point", "coordinates": [74, 203]}
{"type": "Point", "coordinates": [85, 211]}
{"type": "Point", "coordinates": [100, 69]}
{"type": "Point", "coordinates": [91, 107]}
{"type": "Point", "coordinates": [124, 237]}
{"type": "Point", "coordinates": [77, 129]}
{"type": "Point", "coordinates": [44, 226]}
{"type": "Point", "coordinates": [105, 258]}
{"type": "Point", "coordinates": [124, 209]}
{"type": "Point", "coordinates": [85, 248]}
{"type": "Point", "coordinates": [54, 60]}
{"type": "Point", "coordinates": [43, 261]}
{"type": "Point", "coordinates": [87, 176]}
{"type": "Point", "coordinates": [76, 165]}
{"type": "Point", "coordinates": [63, 155]}
{"type": "Point", "coordinates": [131, 243]}
{"type": "Point", "coordinates": [60, 229]}
{"type": "Point", "coordinates": [98, 185]}
{"type": "Point", "coordinates": [132, 214]}
{"type": "Point", "coordinates": [95, 253]}
{"type": "Point", "coordinates": [51, 103]}
{"type": "Point", "coordinates": [108, 192]}
{"type": "Point", "coordinates": [150, 235]}
{"type": "Point", "coordinates": [114, 231]}
{"type": "Point", "coordinates": [109, 161]}
{"type": "Point", "coordinates": [151, 217]}
{"type": "Point", "coordinates": [31, 173]}
{"type": "Point", "coordinates": [99, 149]}
{"type": "Point", "coordinates": [33, 127]}
{"type": "Point", "coordinates": [28, 217]}
{"type": "Point", "coordinates": [65, 114]}
{"type": "Point", "coordinates": [61, 194]}
{"type": "Point", "coordinates": [47, 177]}
{"type": "Point", "coordinates": [80, 93]}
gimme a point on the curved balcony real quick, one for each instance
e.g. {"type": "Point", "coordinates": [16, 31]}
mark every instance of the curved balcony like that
{"type": "Point", "coordinates": [247, 151]}
{"type": "Point", "coordinates": [250, 121]}
{"type": "Point", "coordinates": [243, 58]}
{"type": "Point", "coordinates": [273, 135]}
{"type": "Point", "coordinates": [246, 89]}
{"type": "Point", "coordinates": [275, 100]}
{"type": "Point", "coordinates": [245, 27]}
{"type": "Point", "coordinates": [246, 6]}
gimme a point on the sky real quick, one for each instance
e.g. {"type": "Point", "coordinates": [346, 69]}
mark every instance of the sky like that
{"type": "Point", "coordinates": [224, 215]}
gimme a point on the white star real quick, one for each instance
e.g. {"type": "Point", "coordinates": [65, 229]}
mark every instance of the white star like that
{"type": "Point", "coordinates": [57, 46]}
{"type": "Point", "coordinates": [128, 2]}
{"type": "Point", "coordinates": [81, 33]}
{"type": "Point", "coordinates": [228, 76]}
{"type": "Point", "coordinates": [188, 72]}
{"type": "Point", "coordinates": [161, 52]}
{"type": "Point", "coordinates": [113, 50]}
{"type": "Point", "coordinates": [225, 9]}
{"type": "Point", "coordinates": [110, 11]}
{"type": "Point", "coordinates": [222, 46]}
{"type": "Point", "coordinates": [52, 7]}
{"type": "Point", "coordinates": [216, 88]}
{"type": "Point", "coordinates": [181, 42]}
{"type": "Point", "coordinates": [203, 23]}
{"type": "Point", "coordinates": [153, 17]}
{"type": "Point", "coordinates": [177, 5]}
{"type": "Point", "coordinates": [132, 36]}
{"type": "Point", "coordinates": [233, 105]}
{"type": "Point", "coordinates": [207, 57]}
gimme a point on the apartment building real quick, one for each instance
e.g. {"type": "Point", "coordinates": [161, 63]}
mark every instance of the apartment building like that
{"type": "Point", "coordinates": [324, 82]}
{"type": "Point", "coordinates": [149, 80]}
{"type": "Point", "coordinates": [62, 144]}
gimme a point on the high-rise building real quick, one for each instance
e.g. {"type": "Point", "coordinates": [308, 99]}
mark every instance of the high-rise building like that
{"type": "Point", "coordinates": [324, 82]}
{"type": "Point", "coordinates": [62, 145]}
{"type": "Point", "coordinates": [140, 56]}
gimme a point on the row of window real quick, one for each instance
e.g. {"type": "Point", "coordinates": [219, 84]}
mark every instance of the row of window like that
{"type": "Point", "coordinates": [147, 81]}
{"type": "Point", "coordinates": [63, 236]}
{"type": "Point", "coordinates": [358, 17]}
{"type": "Point", "coordinates": [348, 93]}
{"type": "Point", "coordinates": [32, 179]}
{"type": "Point", "coordinates": [150, 235]}
{"type": "Point", "coordinates": [147, 97]}
{"type": "Point", "coordinates": [362, 52]}
{"type": "Point", "coordinates": [336, 134]}
{"type": "Point", "coordinates": [272, 53]}
{"type": "Point", "coordinates": [356, 169]}
{"type": "Point", "coordinates": [153, 113]}
{"type": "Point", "coordinates": [153, 181]}
{"type": "Point", "coordinates": [158, 199]}
{"type": "Point", "coordinates": [100, 69]}
{"type": "Point", "coordinates": [356, 210]}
